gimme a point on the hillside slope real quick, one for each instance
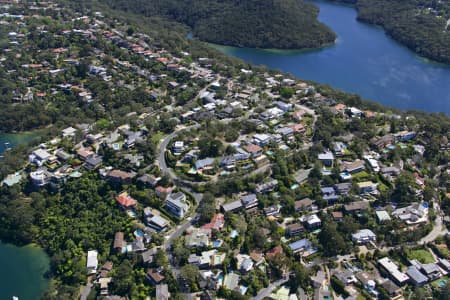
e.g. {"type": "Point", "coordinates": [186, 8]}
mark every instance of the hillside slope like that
{"type": "Point", "coordinates": [421, 25]}
{"type": "Point", "coordinates": [283, 24]}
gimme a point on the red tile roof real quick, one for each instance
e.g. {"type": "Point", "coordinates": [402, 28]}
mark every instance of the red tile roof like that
{"type": "Point", "coordinates": [216, 223]}
{"type": "Point", "coordinates": [252, 148]}
{"type": "Point", "coordinates": [125, 200]}
{"type": "Point", "coordinates": [274, 252]}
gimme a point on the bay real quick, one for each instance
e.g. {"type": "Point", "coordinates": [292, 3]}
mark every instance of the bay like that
{"type": "Point", "coordinates": [22, 272]}
{"type": "Point", "coordinates": [365, 61]}
{"type": "Point", "coordinates": [10, 140]}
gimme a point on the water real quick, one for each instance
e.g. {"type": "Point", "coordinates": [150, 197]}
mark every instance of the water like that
{"type": "Point", "coordinates": [364, 61]}
{"type": "Point", "coordinates": [10, 140]}
{"type": "Point", "coordinates": [22, 272]}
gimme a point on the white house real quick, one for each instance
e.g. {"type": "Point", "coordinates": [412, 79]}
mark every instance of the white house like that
{"type": "Point", "coordinates": [92, 261]}
{"type": "Point", "coordinates": [364, 236]}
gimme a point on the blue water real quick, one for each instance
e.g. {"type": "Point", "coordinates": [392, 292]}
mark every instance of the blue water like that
{"type": "Point", "coordinates": [10, 140]}
{"type": "Point", "coordinates": [22, 272]}
{"type": "Point", "coordinates": [365, 61]}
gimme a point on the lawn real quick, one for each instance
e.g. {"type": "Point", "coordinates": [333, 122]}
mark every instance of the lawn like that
{"type": "Point", "coordinates": [422, 255]}
{"type": "Point", "coordinates": [363, 175]}
{"type": "Point", "coordinates": [157, 137]}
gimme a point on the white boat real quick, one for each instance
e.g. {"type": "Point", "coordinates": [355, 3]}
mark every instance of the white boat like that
{"type": "Point", "coordinates": [15, 298]}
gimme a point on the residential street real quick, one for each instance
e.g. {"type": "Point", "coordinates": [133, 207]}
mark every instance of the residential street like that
{"type": "Point", "coordinates": [268, 290]}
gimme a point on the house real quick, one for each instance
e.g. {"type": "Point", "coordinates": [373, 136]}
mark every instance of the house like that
{"type": "Point", "coordinates": [126, 201]}
{"type": "Point", "coordinates": [274, 252]}
{"type": "Point", "coordinates": [104, 282]}
{"type": "Point", "coordinates": [343, 188]}
{"type": "Point", "coordinates": [354, 112]}
{"type": "Point", "coordinates": [148, 256]}
{"type": "Point", "coordinates": [382, 142]}
{"type": "Point", "coordinates": [382, 216]}
{"type": "Point", "coordinates": [261, 139]}
{"type": "Point", "coordinates": [393, 290]}
{"type": "Point", "coordinates": [319, 279]}
{"type": "Point", "coordinates": [84, 153]}
{"type": "Point", "coordinates": [249, 201]}
{"type": "Point", "coordinates": [312, 222]}
{"type": "Point", "coordinates": [119, 242]}
{"type": "Point", "coordinates": [217, 223]}
{"type": "Point", "coordinates": [204, 164]}
{"type": "Point", "coordinates": [298, 114]}
{"type": "Point", "coordinates": [294, 230]}
{"type": "Point", "coordinates": [346, 276]}
{"type": "Point", "coordinates": [329, 194]}
{"type": "Point", "coordinates": [137, 246]}
{"type": "Point", "coordinates": [244, 263]}
{"type": "Point", "coordinates": [272, 211]}
{"type": "Point", "coordinates": [154, 220]}
{"type": "Point", "coordinates": [412, 214]}
{"type": "Point", "coordinates": [40, 177]}
{"type": "Point", "coordinates": [283, 106]}
{"type": "Point", "coordinates": [271, 113]}
{"type": "Point", "coordinates": [231, 281]}
{"type": "Point", "coordinates": [163, 192]}
{"type": "Point", "coordinates": [149, 180]}
{"type": "Point", "coordinates": [106, 268]}
{"type": "Point", "coordinates": [415, 276]}
{"type": "Point", "coordinates": [339, 148]}
{"type": "Point", "coordinates": [431, 270]}
{"type": "Point", "coordinates": [390, 172]}
{"type": "Point", "coordinates": [337, 216]}
{"type": "Point", "coordinates": [356, 207]}
{"type": "Point", "coordinates": [444, 264]}
{"type": "Point", "coordinates": [392, 269]}
{"type": "Point", "coordinates": [162, 292]}
{"type": "Point", "coordinates": [353, 167]}
{"type": "Point", "coordinates": [39, 157]}
{"type": "Point", "coordinates": [257, 256]}
{"type": "Point", "coordinates": [178, 147]}
{"type": "Point", "coordinates": [93, 162]}
{"type": "Point", "coordinates": [267, 186]}
{"type": "Point", "coordinates": [404, 136]}
{"type": "Point", "coordinates": [327, 158]}
{"type": "Point", "coordinates": [176, 204]}
{"type": "Point", "coordinates": [254, 150]}
{"type": "Point", "coordinates": [92, 262]}
{"type": "Point", "coordinates": [367, 187]}
{"type": "Point", "coordinates": [69, 132]}
{"type": "Point", "coordinates": [305, 204]}
{"type": "Point", "coordinates": [364, 236]}
{"type": "Point", "coordinates": [62, 155]}
{"type": "Point", "coordinates": [154, 277]}
{"type": "Point", "coordinates": [300, 246]}
{"type": "Point", "coordinates": [120, 177]}
{"type": "Point", "coordinates": [197, 237]}
{"type": "Point", "coordinates": [366, 279]}
{"type": "Point", "coordinates": [94, 138]}
{"type": "Point", "coordinates": [234, 206]}
{"type": "Point", "coordinates": [285, 131]}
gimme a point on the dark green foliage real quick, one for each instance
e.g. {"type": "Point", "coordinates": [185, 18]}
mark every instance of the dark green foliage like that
{"type": "Point", "coordinates": [338, 286]}
{"type": "Point", "coordinates": [285, 24]}
{"type": "Point", "coordinates": [411, 23]}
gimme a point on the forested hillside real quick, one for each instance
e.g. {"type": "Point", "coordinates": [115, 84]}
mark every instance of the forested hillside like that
{"type": "Point", "coordinates": [421, 25]}
{"type": "Point", "coordinates": [288, 24]}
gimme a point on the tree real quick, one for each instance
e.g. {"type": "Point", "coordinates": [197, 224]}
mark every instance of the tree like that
{"type": "Point", "coordinates": [123, 278]}
{"type": "Point", "coordinates": [301, 277]}
{"type": "Point", "coordinates": [190, 273]}
{"type": "Point", "coordinates": [331, 240]}
{"type": "Point", "coordinates": [206, 211]}
{"type": "Point", "coordinates": [209, 147]}
{"type": "Point", "coordinates": [404, 188]}
{"type": "Point", "coordinates": [161, 258]}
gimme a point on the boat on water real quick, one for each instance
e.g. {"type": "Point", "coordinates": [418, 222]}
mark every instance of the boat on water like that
{"type": "Point", "coordinates": [15, 298]}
